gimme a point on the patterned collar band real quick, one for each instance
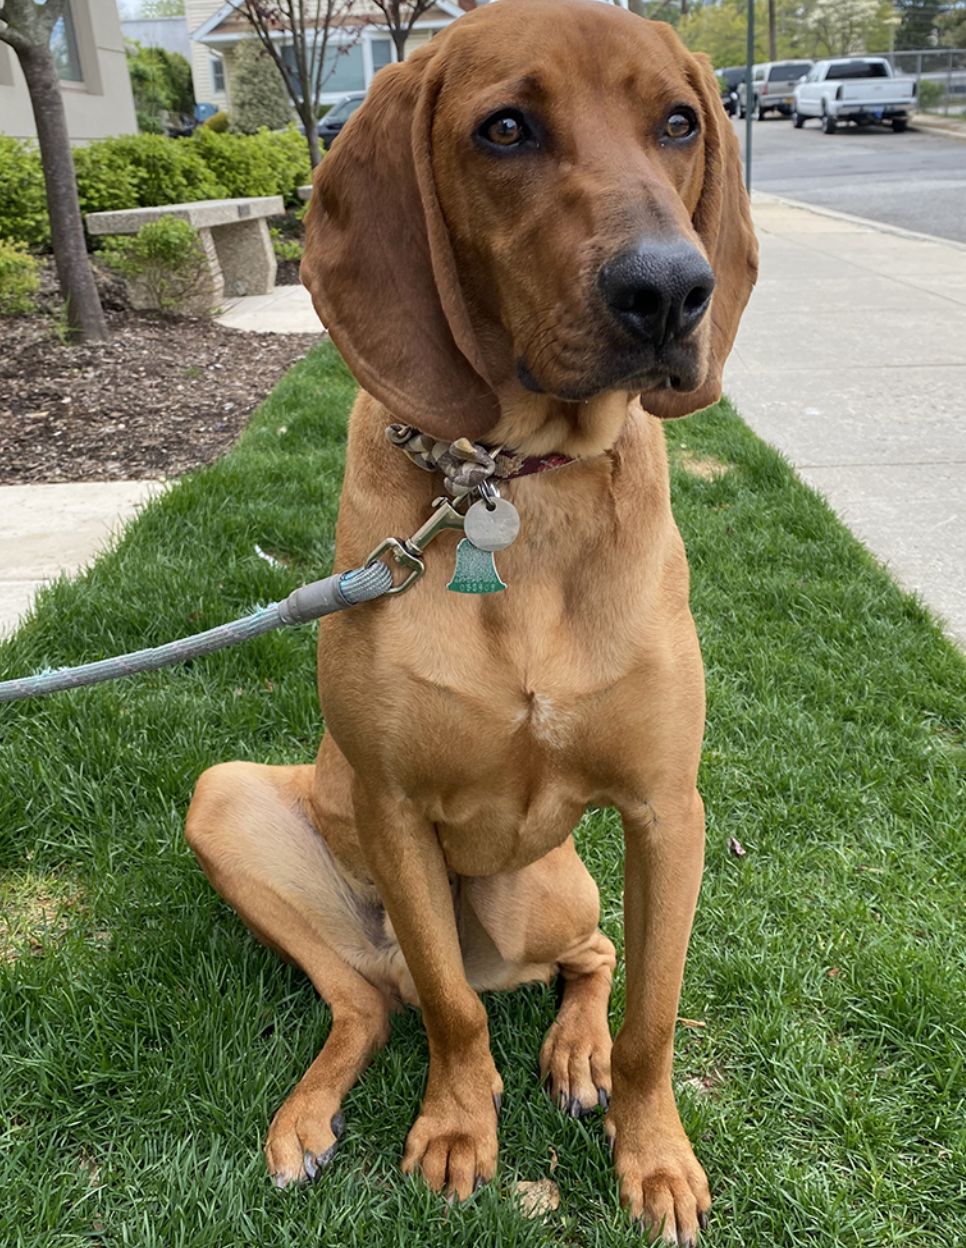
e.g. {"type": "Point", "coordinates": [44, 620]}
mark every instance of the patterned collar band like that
{"type": "Point", "coordinates": [465, 464]}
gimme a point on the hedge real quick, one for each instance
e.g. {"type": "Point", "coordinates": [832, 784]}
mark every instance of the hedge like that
{"type": "Point", "coordinates": [270, 162]}
{"type": "Point", "coordinates": [146, 170]}
{"type": "Point", "coordinates": [18, 279]}
{"type": "Point", "coordinates": [23, 196]}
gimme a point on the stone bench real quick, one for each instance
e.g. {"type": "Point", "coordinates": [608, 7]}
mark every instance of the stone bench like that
{"type": "Point", "coordinates": [233, 232]}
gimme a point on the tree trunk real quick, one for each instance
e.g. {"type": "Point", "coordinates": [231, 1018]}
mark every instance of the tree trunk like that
{"type": "Point", "coordinates": [772, 33]}
{"type": "Point", "coordinates": [399, 39]}
{"type": "Point", "coordinates": [74, 273]}
{"type": "Point", "coordinates": [306, 110]}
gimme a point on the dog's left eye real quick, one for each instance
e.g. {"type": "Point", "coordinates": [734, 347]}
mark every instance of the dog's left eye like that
{"type": "Point", "coordinates": [506, 129]}
{"type": "Point", "coordinates": [680, 125]}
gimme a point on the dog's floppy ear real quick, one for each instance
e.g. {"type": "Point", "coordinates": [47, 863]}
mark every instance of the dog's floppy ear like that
{"type": "Point", "coordinates": [723, 222]}
{"type": "Point", "coordinates": [380, 268]}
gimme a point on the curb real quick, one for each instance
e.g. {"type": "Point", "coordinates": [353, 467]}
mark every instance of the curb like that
{"type": "Point", "coordinates": [766, 197]}
{"type": "Point", "coordinates": [947, 127]}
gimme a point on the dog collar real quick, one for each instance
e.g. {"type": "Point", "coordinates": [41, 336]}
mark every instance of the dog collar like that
{"type": "Point", "coordinates": [465, 465]}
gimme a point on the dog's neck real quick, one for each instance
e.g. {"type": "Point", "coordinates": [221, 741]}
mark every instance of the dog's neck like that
{"type": "Point", "coordinates": [536, 425]}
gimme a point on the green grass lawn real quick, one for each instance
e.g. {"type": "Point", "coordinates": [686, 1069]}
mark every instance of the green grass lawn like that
{"type": "Point", "coordinates": [147, 1039]}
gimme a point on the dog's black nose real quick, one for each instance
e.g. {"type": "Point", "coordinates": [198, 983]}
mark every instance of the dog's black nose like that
{"type": "Point", "coordinates": [658, 291]}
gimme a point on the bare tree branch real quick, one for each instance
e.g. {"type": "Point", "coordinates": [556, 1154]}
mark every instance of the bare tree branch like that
{"type": "Point", "coordinates": [306, 26]}
{"type": "Point", "coordinates": [401, 16]}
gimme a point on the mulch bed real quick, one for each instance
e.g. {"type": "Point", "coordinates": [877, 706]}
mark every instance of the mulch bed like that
{"type": "Point", "coordinates": [157, 399]}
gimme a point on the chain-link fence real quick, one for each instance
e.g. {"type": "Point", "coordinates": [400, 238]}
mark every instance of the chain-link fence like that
{"type": "Point", "coordinates": [941, 77]}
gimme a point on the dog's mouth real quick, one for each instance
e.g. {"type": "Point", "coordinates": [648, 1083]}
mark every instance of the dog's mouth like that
{"type": "Point", "coordinates": [680, 371]}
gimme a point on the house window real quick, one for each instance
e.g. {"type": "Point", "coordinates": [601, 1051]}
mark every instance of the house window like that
{"type": "Point", "coordinates": [63, 45]}
{"type": "Point", "coordinates": [217, 66]}
{"type": "Point", "coordinates": [343, 69]}
{"type": "Point", "coordinates": [381, 53]}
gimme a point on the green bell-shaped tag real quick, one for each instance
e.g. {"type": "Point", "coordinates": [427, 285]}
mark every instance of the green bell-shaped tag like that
{"type": "Point", "coordinates": [475, 571]}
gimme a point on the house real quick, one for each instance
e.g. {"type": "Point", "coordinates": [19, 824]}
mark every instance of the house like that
{"type": "Point", "coordinates": [89, 51]}
{"type": "Point", "coordinates": [358, 46]}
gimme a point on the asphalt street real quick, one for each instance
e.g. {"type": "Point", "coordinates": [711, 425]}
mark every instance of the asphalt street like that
{"type": "Point", "coordinates": [914, 180]}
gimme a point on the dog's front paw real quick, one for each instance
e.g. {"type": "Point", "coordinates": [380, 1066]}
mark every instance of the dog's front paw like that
{"type": "Point", "coordinates": [453, 1141]}
{"type": "Point", "coordinates": [303, 1138]}
{"type": "Point", "coordinates": [662, 1186]}
{"type": "Point", "coordinates": [575, 1062]}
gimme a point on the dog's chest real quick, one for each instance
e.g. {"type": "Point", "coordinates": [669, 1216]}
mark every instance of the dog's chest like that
{"type": "Point", "coordinates": [548, 722]}
{"type": "Point", "coordinates": [506, 780]}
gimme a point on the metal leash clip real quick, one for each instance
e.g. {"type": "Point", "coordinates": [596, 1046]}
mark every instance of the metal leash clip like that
{"type": "Point", "coordinates": [408, 554]}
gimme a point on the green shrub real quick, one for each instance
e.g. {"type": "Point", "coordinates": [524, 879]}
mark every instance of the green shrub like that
{"type": "Point", "coordinates": [218, 123]}
{"type": "Point", "coordinates": [148, 124]}
{"type": "Point", "coordinates": [23, 195]}
{"type": "Point", "coordinates": [285, 248]}
{"type": "Point", "coordinates": [161, 83]}
{"type": "Point", "coordinates": [930, 93]}
{"type": "Point", "coordinates": [166, 171]}
{"type": "Point", "coordinates": [258, 95]}
{"type": "Point", "coordinates": [165, 266]}
{"type": "Point", "coordinates": [271, 162]}
{"type": "Point", "coordinates": [107, 181]}
{"type": "Point", "coordinates": [18, 279]}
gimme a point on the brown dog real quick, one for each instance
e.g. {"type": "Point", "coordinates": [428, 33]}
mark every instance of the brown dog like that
{"type": "Point", "coordinates": [515, 238]}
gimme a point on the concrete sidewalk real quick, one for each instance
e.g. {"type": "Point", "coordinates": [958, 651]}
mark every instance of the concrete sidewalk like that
{"type": "Point", "coordinates": [851, 359]}
{"type": "Point", "coordinates": [49, 529]}
{"type": "Point", "coordinates": [287, 310]}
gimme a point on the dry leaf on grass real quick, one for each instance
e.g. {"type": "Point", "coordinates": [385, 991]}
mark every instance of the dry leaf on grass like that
{"type": "Point", "coordinates": [736, 847]}
{"type": "Point", "coordinates": [537, 1198]}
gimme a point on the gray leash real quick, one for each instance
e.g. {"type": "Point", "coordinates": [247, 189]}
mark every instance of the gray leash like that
{"type": "Point", "coordinates": [310, 602]}
{"type": "Point", "coordinates": [467, 468]}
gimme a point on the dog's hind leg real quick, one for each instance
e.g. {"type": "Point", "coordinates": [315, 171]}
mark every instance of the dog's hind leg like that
{"type": "Point", "coordinates": [575, 1056]}
{"type": "Point", "coordinates": [253, 830]}
{"type": "Point", "coordinates": [544, 918]}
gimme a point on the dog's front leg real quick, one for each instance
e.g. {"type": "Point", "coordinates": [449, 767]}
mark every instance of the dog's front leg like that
{"type": "Point", "coordinates": [453, 1141]}
{"type": "Point", "coordinates": [662, 1184]}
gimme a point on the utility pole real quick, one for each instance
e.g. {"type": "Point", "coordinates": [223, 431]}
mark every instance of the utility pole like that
{"type": "Point", "coordinates": [748, 92]}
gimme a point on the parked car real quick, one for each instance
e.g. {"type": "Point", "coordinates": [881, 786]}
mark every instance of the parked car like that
{"type": "Point", "coordinates": [772, 84]}
{"type": "Point", "coordinates": [730, 77]}
{"type": "Point", "coordinates": [862, 90]}
{"type": "Point", "coordinates": [338, 115]}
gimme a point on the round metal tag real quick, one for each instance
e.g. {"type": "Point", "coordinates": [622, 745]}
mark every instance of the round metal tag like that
{"type": "Point", "coordinates": [492, 527]}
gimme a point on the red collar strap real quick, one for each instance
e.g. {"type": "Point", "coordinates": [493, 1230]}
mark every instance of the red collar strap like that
{"type": "Point", "coordinates": [509, 465]}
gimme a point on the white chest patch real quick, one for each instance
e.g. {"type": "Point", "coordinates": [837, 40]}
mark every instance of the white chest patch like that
{"type": "Point", "coordinates": [546, 721]}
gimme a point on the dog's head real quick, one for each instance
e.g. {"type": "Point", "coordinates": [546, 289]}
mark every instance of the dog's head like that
{"type": "Point", "coordinates": [542, 206]}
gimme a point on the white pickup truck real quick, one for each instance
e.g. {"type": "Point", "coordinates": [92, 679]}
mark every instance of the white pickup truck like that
{"type": "Point", "coordinates": [862, 90]}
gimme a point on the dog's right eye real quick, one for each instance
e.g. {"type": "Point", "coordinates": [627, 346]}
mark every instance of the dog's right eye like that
{"type": "Point", "coordinates": [505, 129]}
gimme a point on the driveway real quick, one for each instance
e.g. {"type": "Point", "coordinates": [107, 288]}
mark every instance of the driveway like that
{"type": "Point", "coordinates": [915, 180]}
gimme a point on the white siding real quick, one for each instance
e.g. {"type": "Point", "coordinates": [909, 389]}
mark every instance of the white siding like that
{"type": "Point", "coordinates": [100, 105]}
